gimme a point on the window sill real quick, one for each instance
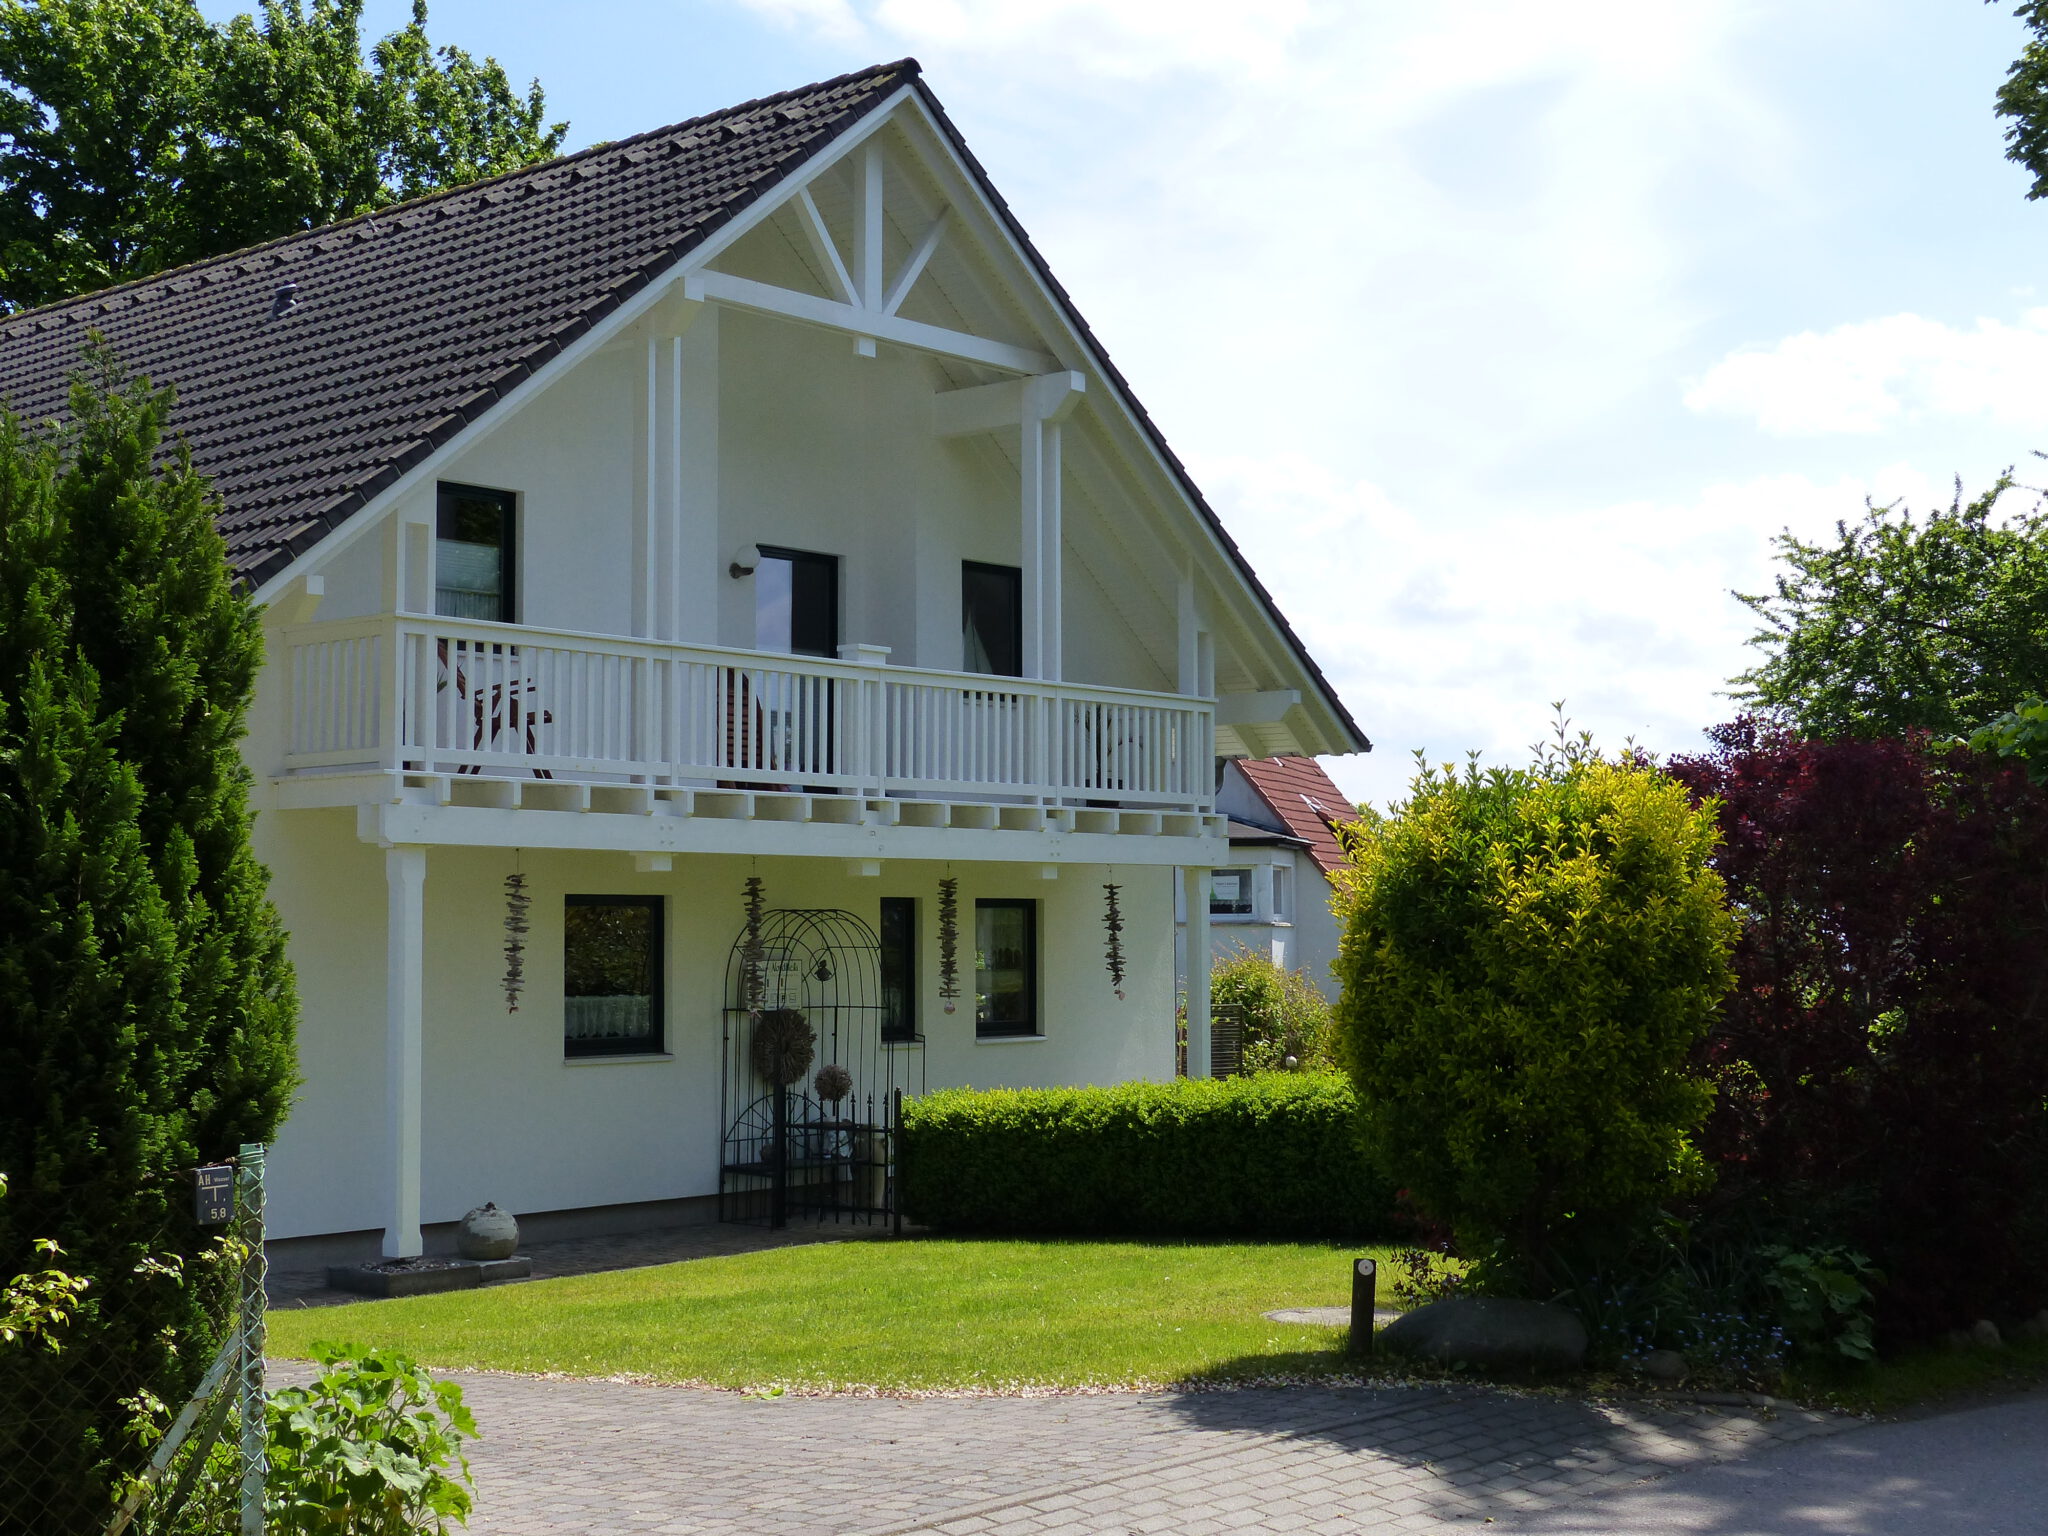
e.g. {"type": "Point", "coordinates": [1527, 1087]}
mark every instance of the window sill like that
{"type": "Point", "coordinates": [618, 1059]}
{"type": "Point", "coordinates": [1007, 1039]}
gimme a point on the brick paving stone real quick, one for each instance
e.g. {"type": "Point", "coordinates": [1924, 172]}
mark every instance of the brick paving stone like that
{"type": "Point", "coordinates": [580, 1458]}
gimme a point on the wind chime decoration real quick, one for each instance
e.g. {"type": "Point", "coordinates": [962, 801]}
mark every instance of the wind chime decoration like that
{"type": "Point", "coordinates": [1113, 927]}
{"type": "Point", "coordinates": [949, 942]}
{"type": "Point", "coordinates": [516, 903]}
{"type": "Point", "coordinates": [753, 954]}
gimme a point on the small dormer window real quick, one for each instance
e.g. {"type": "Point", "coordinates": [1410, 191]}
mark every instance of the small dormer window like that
{"type": "Point", "coordinates": [473, 555]}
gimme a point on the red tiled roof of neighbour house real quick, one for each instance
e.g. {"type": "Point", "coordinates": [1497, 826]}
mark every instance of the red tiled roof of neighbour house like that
{"type": "Point", "coordinates": [1306, 802]}
{"type": "Point", "coordinates": [302, 402]}
{"type": "Point", "coordinates": [315, 370]}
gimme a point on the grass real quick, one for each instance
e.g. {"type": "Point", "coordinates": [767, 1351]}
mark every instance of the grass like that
{"type": "Point", "coordinates": [919, 1314]}
{"type": "Point", "coordinates": [1921, 1378]}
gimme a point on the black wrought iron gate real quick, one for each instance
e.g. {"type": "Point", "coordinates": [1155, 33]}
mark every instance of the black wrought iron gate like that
{"type": "Point", "coordinates": [810, 1135]}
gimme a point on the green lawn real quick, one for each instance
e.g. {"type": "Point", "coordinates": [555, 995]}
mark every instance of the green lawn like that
{"type": "Point", "coordinates": [903, 1314]}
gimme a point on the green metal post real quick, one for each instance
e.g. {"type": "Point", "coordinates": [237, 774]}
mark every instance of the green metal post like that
{"type": "Point", "coordinates": [249, 1320]}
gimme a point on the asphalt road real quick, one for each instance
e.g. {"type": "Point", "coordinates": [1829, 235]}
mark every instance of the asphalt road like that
{"type": "Point", "coordinates": [1980, 1472]}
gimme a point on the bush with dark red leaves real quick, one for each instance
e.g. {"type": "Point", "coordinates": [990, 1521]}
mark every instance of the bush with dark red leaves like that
{"type": "Point", "coordinates": [1883, 1060]}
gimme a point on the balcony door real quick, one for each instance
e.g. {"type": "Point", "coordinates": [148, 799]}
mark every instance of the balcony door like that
{"type": "Point", "coordinates": [796, 602]}
{"type": "Point", "coordinates": [787, 719]}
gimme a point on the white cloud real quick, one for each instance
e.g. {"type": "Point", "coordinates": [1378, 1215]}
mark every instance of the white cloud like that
{"type": "Point", "coordinates": [1878, 374]}
{"type": "Point", "coordinates": [1451, 640]}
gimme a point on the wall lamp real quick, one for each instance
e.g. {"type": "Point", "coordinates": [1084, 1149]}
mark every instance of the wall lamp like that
{"type": "Point", "coordinates": [744, 559]}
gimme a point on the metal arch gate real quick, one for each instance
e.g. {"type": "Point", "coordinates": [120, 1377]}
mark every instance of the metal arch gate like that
{"type": "Point", "coordinates": [786, 1150]}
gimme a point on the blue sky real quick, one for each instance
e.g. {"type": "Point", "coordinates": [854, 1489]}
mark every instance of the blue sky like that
{"type": "Point", "coordinates": [1504, 336]}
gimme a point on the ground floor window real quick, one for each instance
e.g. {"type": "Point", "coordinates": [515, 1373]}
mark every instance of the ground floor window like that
{"type": "Point", "coordinates": [611, 975]}
{"type": "Point", "coordinates": [1230, 893]}
{"type": "Point", "coordinates": [899, 968]}
{"type": "Point", "coordinates": [1006, 968]}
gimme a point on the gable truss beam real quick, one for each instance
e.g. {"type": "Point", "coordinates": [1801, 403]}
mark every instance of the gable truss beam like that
{"type": "Point", "coordinates": [864, 324]}
{"type": "Point", "coordinates": [913, 269]}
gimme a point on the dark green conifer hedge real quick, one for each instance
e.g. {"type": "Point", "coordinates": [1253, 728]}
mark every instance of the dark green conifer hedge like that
{"type": "Point", "coordinates": [146, 1006]}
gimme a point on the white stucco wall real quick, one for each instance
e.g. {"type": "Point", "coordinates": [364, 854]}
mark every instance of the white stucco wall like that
{"type": "Point", "coordinates": [509, 1118]}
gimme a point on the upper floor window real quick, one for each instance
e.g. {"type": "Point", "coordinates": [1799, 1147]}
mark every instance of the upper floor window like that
{"type": "Point", "coordinates": [1283, 894]}
{"type": "Point", "coordinates": [473, 555]}
{"type": "Point", "coordinates": [992, 618]}
{"type": "Point", "coordinates": [611, 975]}
{"type": "Point", "coordinates": [796, 602]}
{"type": "Point", "coordinates": [1230, 893]}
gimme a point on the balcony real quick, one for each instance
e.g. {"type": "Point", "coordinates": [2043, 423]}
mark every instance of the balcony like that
{"type": "Point", "coordinates": [450, 700]}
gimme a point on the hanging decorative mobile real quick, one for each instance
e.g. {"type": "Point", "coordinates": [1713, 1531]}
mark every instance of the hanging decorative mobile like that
{"type": "Point", "coordinates": [753, 954]}
{"type": "Point", "coordinates": [1113, 925]}
{"type": "Point", "coordinates": [516, 903]}
{"type": "Point", "coordinates": [949, 942]}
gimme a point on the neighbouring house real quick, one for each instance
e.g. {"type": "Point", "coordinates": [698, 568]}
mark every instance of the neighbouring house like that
{"type": "Point", "coordinates": [1273, 894]}
{"type": "Point", "coordinates": [740, 501]}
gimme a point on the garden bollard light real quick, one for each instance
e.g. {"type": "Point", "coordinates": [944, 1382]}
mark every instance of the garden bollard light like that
{"type": "Point", "coordinates": [1365, 1275]}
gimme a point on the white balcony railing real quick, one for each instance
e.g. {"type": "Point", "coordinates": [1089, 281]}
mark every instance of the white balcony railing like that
{"type": "Point", "coordinates": [462, 696]}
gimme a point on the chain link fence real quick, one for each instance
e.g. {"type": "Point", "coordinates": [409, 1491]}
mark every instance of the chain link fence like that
{"type": "Point", "coordinates": [141, 1412]}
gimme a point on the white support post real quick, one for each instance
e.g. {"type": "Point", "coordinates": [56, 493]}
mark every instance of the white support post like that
{"type": "Point", "coordinates": [1195, 891]}
{"type": "Point", "coordinates": [699, 559]}
{"type": "Point", "coordinates": [645, 618]}
{"type": "Point", "coordinates": [405, 880]}
{"type": "Point", "coordinates": [1262, 893]}
{"type": "Point", "coordinates": [1031, 474]}
{"type": "Point", "coordinates": [1189, 625]}
{"type": "Point", "coordinates": [867, 246]}
{"type": "Point", "coordinates": [1055, 558]}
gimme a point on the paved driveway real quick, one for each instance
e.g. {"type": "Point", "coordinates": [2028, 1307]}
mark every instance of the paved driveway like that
{"type": "Point", "coordinates": [595, 1457]}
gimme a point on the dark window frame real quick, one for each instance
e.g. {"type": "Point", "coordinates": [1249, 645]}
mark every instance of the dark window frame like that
{"type": "Point", "coordinates": [1009, 1029]}
{"type": "Point", "coordinates": [656, 1044]}
{"type": "Point", "coordinates": [1014, 579]}
{"type": "Point", "coordinates": [508, 568]}
{"type": "Point", "coordinates": [813, 559]}
{"type": "Point", "coordinates": [899, 1028]}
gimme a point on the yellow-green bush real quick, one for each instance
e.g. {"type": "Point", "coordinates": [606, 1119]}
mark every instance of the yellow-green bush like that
{"type": "Point", "coordinates": [1273, 1155]}
{"type": "Point", "coordinates": [1530, 957]}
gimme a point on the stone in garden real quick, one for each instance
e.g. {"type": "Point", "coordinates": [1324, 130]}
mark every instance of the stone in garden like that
{"type": "Point", "coordinates": [1666, 1367]}
{"type": "Point", "coordinates": [2035, 1327]}
{"type": "Point", "coordinates": [487, 1233]}
{"type": "Point", "coordinates": [1490, 1333]}
{"type": "Point", "coordinates": [1985, 1335]}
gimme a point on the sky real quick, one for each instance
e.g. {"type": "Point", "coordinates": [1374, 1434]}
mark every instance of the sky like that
{"type": "Point", "coordinates": [1503, 337]}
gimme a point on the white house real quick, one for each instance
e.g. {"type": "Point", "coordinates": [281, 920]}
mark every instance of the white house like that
{"type": "Point", "coordinates": [1273, 894]}
{"type": "Point", "coordinates": [741, 500]}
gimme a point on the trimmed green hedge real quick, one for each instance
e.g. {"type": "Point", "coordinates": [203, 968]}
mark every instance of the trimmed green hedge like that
{"type": "Point", "coordinates": [1273, 1155]}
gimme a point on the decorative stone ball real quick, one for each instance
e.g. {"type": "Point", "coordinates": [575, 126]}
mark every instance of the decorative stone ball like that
{"type": "Point", "coordinates": [487, 1233]}
{"type": "Point", "coordinates": [833, 1082]}
{"type": "Point", "coordinates": [782, 1046]}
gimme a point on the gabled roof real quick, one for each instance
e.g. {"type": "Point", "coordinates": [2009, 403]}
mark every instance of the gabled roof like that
{"type": "Point", "coordinates": [1303, 801]}
{"type": "Point", "coordinates": [409, 323]}
{"type": "Point", "coordinates": [303, 403]}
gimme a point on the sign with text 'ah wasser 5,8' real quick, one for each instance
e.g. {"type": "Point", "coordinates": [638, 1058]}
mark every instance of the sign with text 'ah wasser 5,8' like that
{"type": "Point", "coordinates": [213, 1194]}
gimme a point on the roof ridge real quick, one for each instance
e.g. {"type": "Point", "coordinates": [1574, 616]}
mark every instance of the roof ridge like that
{"type": "Point", "coordinates": [907, 66]}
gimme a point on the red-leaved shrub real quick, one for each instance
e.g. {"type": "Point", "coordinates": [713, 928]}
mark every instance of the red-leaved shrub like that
{"type": "Point", "coordinates": [1883, 1060]}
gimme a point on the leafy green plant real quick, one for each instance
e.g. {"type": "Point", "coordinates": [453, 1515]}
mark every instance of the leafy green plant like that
{"type": "Point", "coordinates": [1531, 955]}
{"type": "Point", "coordinates": [1276, 1154]}
{"type": "Point", "coordinates": [2021, 733]}
{"type": "Point", "coordinates": [35, 1305]}
{"type": "Point", "coordinates": [1824, 1298]}
{"type": "Point", "coordinates": [372, 1447]}
{"type": "Point", "coordinates": [1284, 1013]}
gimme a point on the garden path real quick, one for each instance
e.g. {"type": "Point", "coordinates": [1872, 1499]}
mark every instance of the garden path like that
{"type": "Point", "coordinates": [566, 1458]}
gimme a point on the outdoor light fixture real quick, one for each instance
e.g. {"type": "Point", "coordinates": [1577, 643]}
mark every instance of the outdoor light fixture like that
{"type": "Point", "coordinates": [744, 559]}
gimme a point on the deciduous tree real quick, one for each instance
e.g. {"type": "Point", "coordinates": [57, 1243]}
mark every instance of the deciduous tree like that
{"type": "Point", "coordinates": [136, 135]}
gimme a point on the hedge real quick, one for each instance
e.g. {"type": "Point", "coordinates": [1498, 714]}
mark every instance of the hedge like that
{"type": "Point", "coordinates": [1272, 1155]}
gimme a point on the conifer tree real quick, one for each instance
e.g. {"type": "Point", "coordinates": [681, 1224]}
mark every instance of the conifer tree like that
{"type": "Point", "coordinates": [146, 1008]}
